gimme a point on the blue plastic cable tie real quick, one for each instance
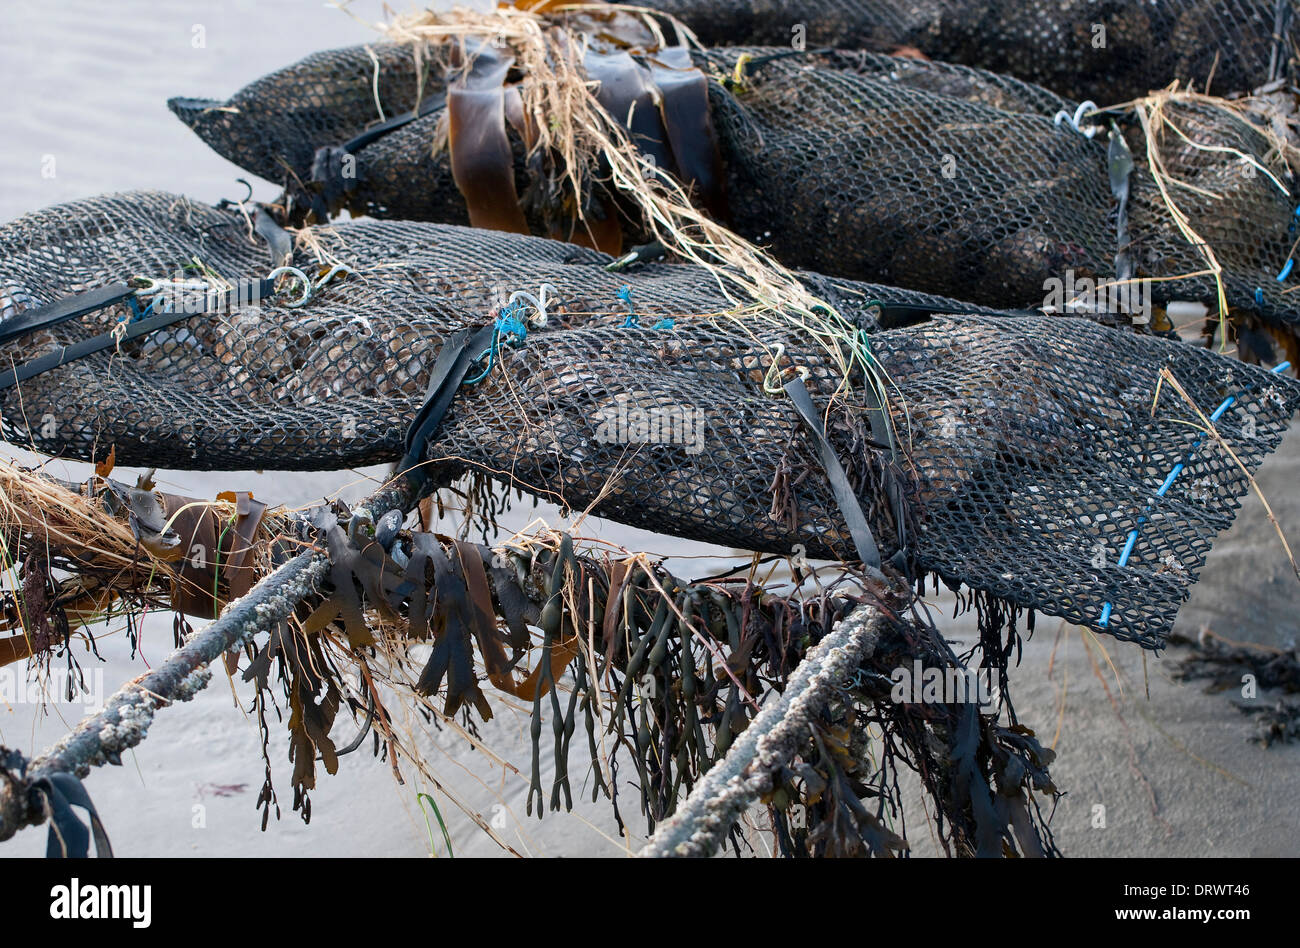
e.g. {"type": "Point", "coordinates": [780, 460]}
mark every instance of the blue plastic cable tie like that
{"type": "Point", "coordinates": [1286, 270]}
{"type": "Point", "coordinates": [509, 326]}
{"type": "Point", "coordinates": [632, 321]}
{"type": "Point", "coordinates": [1129, 545]}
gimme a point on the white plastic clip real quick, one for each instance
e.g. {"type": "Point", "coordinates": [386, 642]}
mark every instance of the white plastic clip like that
{"type": "Point", "coordinates": [540, 302]}
{"type": "Point", "coordinates": [301, 277]}
{"type": "Point", "coordinates": [1075, 119]}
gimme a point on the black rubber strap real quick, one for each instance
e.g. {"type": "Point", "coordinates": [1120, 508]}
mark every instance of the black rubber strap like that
{"type": "Point", "coordinates": [378, 131]}
{"type": "Point", "coordinates": [1278, 58]}
{"type": "Point", "coordinates": [449, 370]}
{"type": "Point", "coordinates": [758, 62]}
{"type": "Point", "coordinates": [60, 311]}
{"type": "Point", "coordinates": [245, 291]}
{"type": "Point", "coordinates": [881, 431]}
{"type": "Point", "coordinates": [69, 838]}
{"type": "Point", "coordinates": [278, 241]}
{"type": "Point", "coordinates": [327, 168]}
{"type": "Point", "coordinates": [863, 539]}
{"type": "Point", "coordinates": [642, 254]}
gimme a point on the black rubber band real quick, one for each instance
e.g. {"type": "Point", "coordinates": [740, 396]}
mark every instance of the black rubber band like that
{"type": "Point", "coordinates": [244, 292]}
{"type": "Point", "coordinates": [449, 370]}
{"type": "Point", "coordinates": [378, 131]}
{"type": "Point", "coordinates": [68, 837]}
{"type": "Point", "coordinates": [60, 311]}
{"type": "Point", "coordinates": [863, 539]}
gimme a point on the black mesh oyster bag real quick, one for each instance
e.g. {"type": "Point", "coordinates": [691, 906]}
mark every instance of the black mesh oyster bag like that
{"type": "Point", "coordinates": [1106, 50]}
{"type": "Point", "coordinates": [933, 177]}
{"type": "Point", "coordinates": [1048, 463]}
{"type": "Point", "coordinates": [272, 384]}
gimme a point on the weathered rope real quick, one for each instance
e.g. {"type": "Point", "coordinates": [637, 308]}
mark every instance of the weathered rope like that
{"type": "Point", "coordinates": [770, 742]}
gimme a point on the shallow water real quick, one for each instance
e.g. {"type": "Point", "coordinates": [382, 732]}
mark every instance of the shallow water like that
{"type": "Point", "coordinates": [86, 88]}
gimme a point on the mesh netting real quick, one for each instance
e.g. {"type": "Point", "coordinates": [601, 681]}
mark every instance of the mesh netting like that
{"type": "Point", "coordinates": [924, 184]}
{"type": "Point", "coordinates": [937, 178]}
{"type": "Point", "coordinates": [1106, 50]}
{"type": "Point", "coordinates": [333, 385]}
{"type": "Point", "coordinates": [1030, 447]}
{"type": "Point", "coordinates": [1030, 443]}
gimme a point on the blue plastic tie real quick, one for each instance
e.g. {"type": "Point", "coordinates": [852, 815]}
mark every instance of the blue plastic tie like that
{"type": "Point", "coordinates": [508, 328]}
{"type": "Point", "coordinates": [632, 321]}
{"type": "Point", "coordinates": [1286, 270]}
{"type": "Point", "coordinates": [137, 312]}
{"type": "Point", "coordinates": [1168, 483]}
